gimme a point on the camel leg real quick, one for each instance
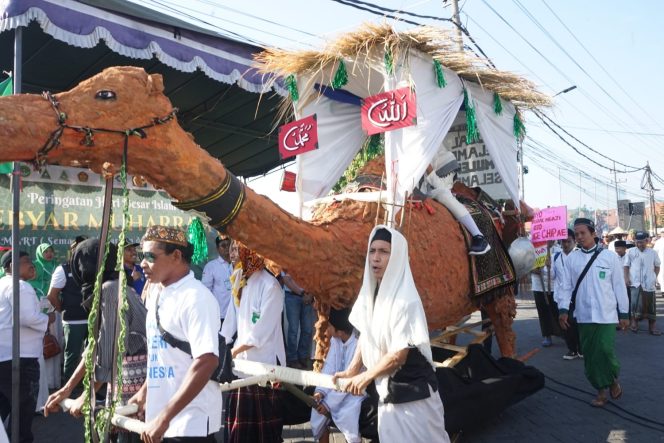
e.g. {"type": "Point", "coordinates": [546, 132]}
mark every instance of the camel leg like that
{"type": "Point", "coordinates": [502, 312]}
{"type": "Point", "coordinates": [321, 337]}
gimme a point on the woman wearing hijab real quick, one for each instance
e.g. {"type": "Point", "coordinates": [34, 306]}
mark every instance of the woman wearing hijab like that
{"type": "Point", "coordinates": [50, 370]}
{"type": "Point", "coordinates": [394, 346]}
{"type": "Point", "coordinates": [45, 264]}
{"type": "Point", "coordinates": [134, 363]}
{"type": "Point", "coordinates": [255, 315]}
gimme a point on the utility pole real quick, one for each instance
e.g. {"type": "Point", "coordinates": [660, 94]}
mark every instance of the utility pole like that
{"type": "Point", "coordinates": [519, 144]}
{"type": "Point", "coordinates": [615, 181]}
{"type": "Point", "coordinates": [647, 185]}
{"type": "Point", "coordinates": [457, 21]}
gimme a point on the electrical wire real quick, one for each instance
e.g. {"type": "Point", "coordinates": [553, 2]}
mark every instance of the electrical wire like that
{"type": "Point", "coordinates": [543, 116]}
{"type": "Point", "coordinates": [589, 97]}
{"type": "Point", "coordinates": [216, 28]}
{"type": "Point", "coordinates": [178, 7]}
{"type": "Point", "coordinates": [256, 17]}
{"type": "Point", "coordinates": [608, 74]}
{"type": "Point", "coordinates": [541, 27]}
{"type": "Point", "coordinates": [388, 12]}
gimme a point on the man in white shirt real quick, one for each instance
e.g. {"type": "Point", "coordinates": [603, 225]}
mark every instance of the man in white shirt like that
{"type": "Point", "coordinates": [181, 402]}
{"type": "Point", "coordinates": [32, 328]}
{"type": "Point", "coordinates": [571, 335]}
{"type": "Point", "coordinates": [217, 275]}
{"type": "Point", "coordinates": [547, 310]}
{"type": "Point", "coordinates": [658, 247]}
{"type": "Point", "coordinates": [600, 291]}
{"type": "Point", "coordinates": [641, 268]}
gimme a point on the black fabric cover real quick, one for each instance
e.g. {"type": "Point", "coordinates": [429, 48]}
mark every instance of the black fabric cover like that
{"type": "Point", "coordinates": [477, 389]}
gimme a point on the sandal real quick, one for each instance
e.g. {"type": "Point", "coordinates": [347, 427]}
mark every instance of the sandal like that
{"type": "Point", "coordinates": [616, 390]}
{"type": "Point", "coordinates": [655, 332]}
{"type": "Point", "coordinates": [634, 329]}
{"type": "Point", "coordinates": [599, 402]}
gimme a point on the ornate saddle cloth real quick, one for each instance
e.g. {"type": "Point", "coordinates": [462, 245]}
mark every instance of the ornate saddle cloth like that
{"type": "Point", "coordinates": [494, 269]}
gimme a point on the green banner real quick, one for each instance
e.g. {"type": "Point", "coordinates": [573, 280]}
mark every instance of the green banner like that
{"type": "Point", "coordinates": [61, 203]}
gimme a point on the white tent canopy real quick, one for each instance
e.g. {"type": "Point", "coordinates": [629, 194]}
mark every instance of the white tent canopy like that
{"type": "Point", "coordinates": [408, 151]}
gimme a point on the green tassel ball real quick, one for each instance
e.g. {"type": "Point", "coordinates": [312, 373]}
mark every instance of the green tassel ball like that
{"type": "Point", "coordinates": [440, 74]}
{"type": "Point", "coordinates": [341, 76]}
{"type": "Point", "coordinates": [519, 127]}
{"type": "Point", "coordinates": [291, 84]}
{"type": "Point", "coordinates": [389, 62]}
{"type": "Point", "coordinates": [497, 104]}
{"type": "Point", "coordinates": [472, 134]}
{"type": "Point", "coordinates": [196, 236]}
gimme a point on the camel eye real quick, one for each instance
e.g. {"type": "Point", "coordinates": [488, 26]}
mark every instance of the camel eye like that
{"type": "Point", "coordinates": [105, 94]}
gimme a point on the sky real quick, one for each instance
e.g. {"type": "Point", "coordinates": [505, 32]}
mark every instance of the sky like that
{"type": "Point", "coordinates": [609, 50]}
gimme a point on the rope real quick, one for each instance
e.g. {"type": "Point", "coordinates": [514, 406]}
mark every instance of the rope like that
{"type": "Point", "coordinates": [115, 388]}
{"type": "Point", "coordinates": [92, 344]}
{"type": "Point", "coordinates": [88, 138]}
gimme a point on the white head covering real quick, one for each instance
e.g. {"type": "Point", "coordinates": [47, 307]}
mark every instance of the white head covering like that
{"type": "Point", "coordinates": [397, 321]}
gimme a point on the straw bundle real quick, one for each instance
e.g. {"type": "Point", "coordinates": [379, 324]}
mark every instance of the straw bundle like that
{"type": "Point", "coordinates": [367, 45]}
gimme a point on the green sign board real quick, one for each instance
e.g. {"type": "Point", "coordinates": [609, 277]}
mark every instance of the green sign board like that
{"type": "Point", "coordinates": [60, 203]}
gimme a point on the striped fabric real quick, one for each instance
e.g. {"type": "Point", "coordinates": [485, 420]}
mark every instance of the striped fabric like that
{"type": "Point", "coordinates": [135, 340]}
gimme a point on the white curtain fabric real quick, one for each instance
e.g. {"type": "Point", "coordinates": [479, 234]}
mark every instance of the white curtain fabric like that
{"type": "Point", "coordinates": [340, 137]}
{"type": "Point", "coordinates": [340, 134]}
{"type": "Point", "coordinates": [497, 132]}
{"type": "Point", "coordinates": [409, 151]}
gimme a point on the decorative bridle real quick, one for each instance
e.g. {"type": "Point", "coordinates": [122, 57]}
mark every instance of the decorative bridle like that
{"type": "Point", "coordinates": [88, 133]}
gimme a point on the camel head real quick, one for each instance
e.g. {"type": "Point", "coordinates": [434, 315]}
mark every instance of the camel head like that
{"type": "Point", "coordinates": [112, 102]}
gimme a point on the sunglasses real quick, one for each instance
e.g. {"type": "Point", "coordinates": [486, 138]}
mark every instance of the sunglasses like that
{"type": "Point", "coordinates": [149, 257]}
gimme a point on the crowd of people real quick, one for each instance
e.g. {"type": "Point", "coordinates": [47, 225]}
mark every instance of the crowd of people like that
{"type": "Point", "coordinates": [177, 326]}
{"type": "Point", "coordinates": [591, 287]}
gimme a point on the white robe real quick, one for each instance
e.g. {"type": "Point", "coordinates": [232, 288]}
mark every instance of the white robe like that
{"type": "Point", "coordinates": [344, 408]}
{"type": "Point", "coordinates": [396, 322]}
{"type": "Point", "coordinates": [257, 320]}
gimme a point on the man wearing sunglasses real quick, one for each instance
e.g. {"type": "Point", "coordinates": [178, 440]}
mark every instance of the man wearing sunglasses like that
{"type": "Point", "coordinates": [180, 402]}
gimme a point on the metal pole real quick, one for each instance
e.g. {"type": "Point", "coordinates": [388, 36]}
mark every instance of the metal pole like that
{"type": "Point", "coordinates": [457, 21]}
{"type": "Point", "coordinates": [615, 180]}
{"type": "Point", "coordinates": [16, 309]}
{"type": "Point", "coordinates": [523, 183]}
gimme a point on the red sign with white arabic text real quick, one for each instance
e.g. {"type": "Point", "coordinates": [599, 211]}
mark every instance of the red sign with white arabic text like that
{"type": "Point", "coordinates": [298, 137]}
{"type": "Point", "coordinates": [389, 111]}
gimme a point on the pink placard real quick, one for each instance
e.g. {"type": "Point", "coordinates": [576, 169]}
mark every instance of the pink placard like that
{"type": "Point", "coordinates": [298, 137]}
{"type": "Point", "coordinates": [389, 110]}
{"type": "Point", "coordinates": [549, 224]}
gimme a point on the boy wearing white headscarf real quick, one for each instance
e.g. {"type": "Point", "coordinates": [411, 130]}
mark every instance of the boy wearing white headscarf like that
{"type": "Point", "coordinates": [394, 346]}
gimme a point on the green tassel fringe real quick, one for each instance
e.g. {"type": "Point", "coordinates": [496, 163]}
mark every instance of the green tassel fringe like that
{"type": "Point", "coordinates": [291, 84]}
{"type": "Point", "coordinates": [497, 104]}
{"type": "Point", "coordinates": [341, 76]}
{"type": "Point", "coordinates": [472, 134]}
{"type": "Point", "coordinates": [196, 236]}
{"type": "Point", "coordinates": [519, 127]}
{"type": "Point", "coordinates": [389, 62]}
{"type": "Point", "coordinates": [440, 74]}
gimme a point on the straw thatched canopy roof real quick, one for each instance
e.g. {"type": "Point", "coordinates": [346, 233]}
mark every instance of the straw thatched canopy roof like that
{"type": "Point", "coordinates": [368, 44]}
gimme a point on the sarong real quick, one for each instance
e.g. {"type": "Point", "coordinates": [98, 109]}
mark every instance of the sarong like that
{"type": "Point", "coordinates": [599, 354]}
{"type": "Point", "coordinates": [254, 415]}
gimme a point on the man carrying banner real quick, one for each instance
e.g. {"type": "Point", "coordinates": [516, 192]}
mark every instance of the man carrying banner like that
{"type": "Point", "coordinates": [592, 282]}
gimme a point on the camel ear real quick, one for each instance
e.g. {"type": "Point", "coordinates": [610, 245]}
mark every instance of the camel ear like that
{"type": "Point", "coordinates": [155, 84]}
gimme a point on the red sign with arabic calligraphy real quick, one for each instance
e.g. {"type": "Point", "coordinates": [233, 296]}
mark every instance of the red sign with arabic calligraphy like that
{"type": "Point", "coordinates": [298, 137]}
{"type": "Point", "coordinates": [389, 111]}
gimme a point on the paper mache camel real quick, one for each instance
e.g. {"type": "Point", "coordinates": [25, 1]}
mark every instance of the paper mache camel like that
{"type": "Point", "coordinates": [326, 255]}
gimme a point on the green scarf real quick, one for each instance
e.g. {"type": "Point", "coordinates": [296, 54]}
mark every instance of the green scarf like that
{"type": "Point", "coordinates": [44, 271]}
